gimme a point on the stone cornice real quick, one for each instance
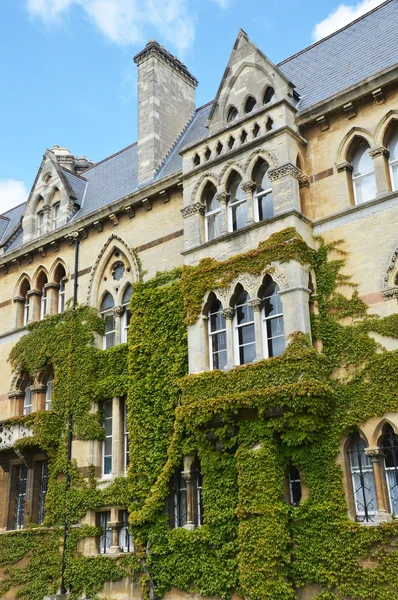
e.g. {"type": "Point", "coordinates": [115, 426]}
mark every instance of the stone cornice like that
{"type": "Point", "coordinates": [284, 171]}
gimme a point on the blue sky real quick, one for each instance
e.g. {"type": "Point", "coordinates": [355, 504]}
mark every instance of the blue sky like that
{"type": "Point", "coordinates": [68, 75]}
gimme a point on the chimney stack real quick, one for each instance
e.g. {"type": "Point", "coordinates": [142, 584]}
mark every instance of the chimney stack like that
{"type": "Point", "coordinates": [166, 102]}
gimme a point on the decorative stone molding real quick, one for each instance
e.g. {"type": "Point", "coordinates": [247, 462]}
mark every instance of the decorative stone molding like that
{"type": "Point", "coordinates": [209, 176]}
{"type": "Point", "coordinates": [228, 313]}
{"type": "Point", "coordinates": [193, 209]}
{"type": "Point", "coordinates": [304, 181]}
{"type": "Point", "coordinates": [222, 197]}
{"type": "Point", "coordinates": [374, 452]}
{"type": "Point", "coordinates": [390, 293]}
{"type": "Point", "coordinates": [38, 388]}
{"type": "Point", "coordinates": [248, 187]}
{"type": "Point", "coordinates": [285, 170]}
{"type": "Point", "coordinates": [34, 293]}
{"type": "Point", "coordinates": [344, 166]}
{"type": "Point", "coordinates": [350, 110]}
{"type": "Point", "coordinates": [255, 304]}
{"type": "Point", "coordinates": [380, 151]}
{"type": "Point", "coordinates": [378, 96]}
{"type": "Point", "coordinates": [323, 122]}
{"type": "Point", "coordinates": [16, 394]}
{"type": "Point", "coordinates": [51, 285]}
{"type": "Point", "coordinates": [19, 299]}
{"type": "Point", "coordinates": [119, 311]}
{"type": "Point", "coordinates": [389, 286]}
{"type": "Point", "coordinates": [113, 218]}
{"type": "Point", "coordinates": [228, 165]}
{"type": "Point", "coordinates": [268, 157]}
{"type": "Point", "coordinates": [9, 434]}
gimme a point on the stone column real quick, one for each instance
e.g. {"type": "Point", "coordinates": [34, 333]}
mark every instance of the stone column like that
{"type": "Point", "coordinates": [376, 455]}
{"type": "Point", "coordinates": [52, 297]}
{"type": "Point", "coordinates": [115, 526]}
{"type": "Point", "coordinates": [34, 305]}
{"type": "Point", "coordinates": [16, 398]}
{"type": "Point", "coordinates": [380, 160]}
{"type": "Point", "coordinates": [119, 311]}
{"type": "Point", "coordinates": [223, 198]}
{"type": "Point", "coordinates": [285, 188]}
{"type": "Point", "coordinates": [193, 224]}
{"type": "Point", "coordinates": [228, 314]}
{"type": "Point", "coordinates": [20, 306]}
{"type": "Point", "coordinates": [190, 484]}
{"type": "Point", "coordinates": [255, 304]}
{"type": "Point", "coordinates": [346, 169]}
{"type": "Point", "coordinates": [248, 187]}
{"type": "Point", "coordinates": [117, 437]}
{"type": "Point", "coordinates": [46, 210]}
{"type": "Point", "coordinates": [38, 391]}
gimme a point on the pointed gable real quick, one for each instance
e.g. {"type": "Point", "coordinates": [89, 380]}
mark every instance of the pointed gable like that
{"type": "Point", "coordinates": [248, 76]}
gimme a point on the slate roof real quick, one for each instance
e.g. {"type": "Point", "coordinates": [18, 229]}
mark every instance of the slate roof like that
{"type": "Point", "coordinates": [361, 49]}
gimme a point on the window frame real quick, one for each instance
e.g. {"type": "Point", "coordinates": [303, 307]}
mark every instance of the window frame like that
{"type": "Point", "coordinates": [40, 223]}
{"type": "Point", "coordinates": [355, 178]}
{"type": "Point", "coordinates": [234, 203]}
{"type": "Point", "coordinates": [56, 215]}
{"type": "Point", "coordinates": [212, 334]}
{"type": "Point", "coordinates": [216, 212]}
{"type": "Point", "coordinates": [237, 327]}
{"type": "Point", "coordinates": [267, 319]}
{"type": "Point", "coordinates": [365, 515]}
{"type": "Point", "coordinates": [393, 164]}
{"type": "Point", "coordinates": [108, 436]}
{"type": "Point", "coordinates": [104, 538]}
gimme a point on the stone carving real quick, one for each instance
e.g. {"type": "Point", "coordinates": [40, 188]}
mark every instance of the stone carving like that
{"type": "Point", "coordinates": [193, 209]}
{"type": "Point", "coordinates": [248, 187]}
{"type": "Point", "coordinates": [374, 452]}
{"type": "Point", "coordinates": [284, 171]}
{"type": "Point", "coordinates": [228, 313]}
{"type": "Point", "coordinates": [304, 181]}
{"type": "Point", "coordinates": [380, 151]}
{"type": "Point", "coordinates": [230, 163]}
{"type": "Point", "coordinates": [118, 310]}
{"type": "Point", "coordinates": [389, 285]}
{"type": "Point", "coordinates": [223, 197]}
{"type": "Point", "coordinates": [210, 176]}
{"type": "Point", "coordinates": [268, 157]}
{"type": "Point", "coordinates": [255, 304]}
{"type": "Point", "coordinates": [344, 166]}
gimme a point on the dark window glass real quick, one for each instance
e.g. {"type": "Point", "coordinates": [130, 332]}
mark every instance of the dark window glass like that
{"type": "Point", "coordinates": [20, 499]}
{"type": "Point", "coordinates": [125, 539]}
{"type": "Point", "coordinates": [217, 334]}
{"type": "Point", "coordinates": [250, 104]}
{"type": "Point", "coordinates": [245, 329]}
{"type": "Point", "coordinates": [43, 490]}
{"type": "Point", "coordinates": [390, 452]}
{"type": "Point", "coordinates": [105, 539]}
{"type": "Point", "coordinates": [273, 318]}
{"type": "Point", "coordinates": [362, 480]}
{"type": "Point", "coordinates": [269, 94]}
{"type": "Point", "coordinates": [294, 486]}
{"type": "Point", "coordinates": [232, 114]}
{"type": "Point", "coordinates": [118, 270]}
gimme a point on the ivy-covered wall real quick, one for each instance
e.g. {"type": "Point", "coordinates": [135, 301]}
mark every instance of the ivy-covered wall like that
{"type": "Point", "coordinates": [245, 426]}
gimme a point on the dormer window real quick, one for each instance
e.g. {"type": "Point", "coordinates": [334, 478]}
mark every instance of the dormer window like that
{"type": "Point", "coordinates": [268, 95]}
{"type": "Point", "coordinates": [250, 104]}
{"type": "Point", "coordinates": [232, 114]}
{"type": "Point", "coordinates": [56, 213]}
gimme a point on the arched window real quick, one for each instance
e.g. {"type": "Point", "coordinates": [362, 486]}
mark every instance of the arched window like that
{"type": "Point", "coordinates": [59, 278]}
{"type": "Point", "coordinates": [263, 205]}
{"type": "Point", "coordinates": [217, 336]}
{"type": "Point", "coordinates": [49, 392]}
{"type": "Point", "coordinates": [250, 104]}
{"type": "Point", "coordinates": [232, 114]}
{"type": "Point", "coordinates": [245, 342]}
{"type": "Point", "coordinates": [393, 160]}
{"type": "Point", "coordinates": [185, 503]}
{"type": "Point", "coordinates": [127, 312]}
{"type": "Point", "coordinates": [362, 477]}
{"type": "Point", "coordinates": [40, 223]}
{"type": "Point", "coordinates": [268, 95]}
{"type": "Point", "coordinates": [237, 203]}
{"type": "Point", "coordinates": [107, 443]}
{"type": "Point", "coordinates": [272, 311]}
{"type": "Point", "coordinates": [41, 286]}
{"type": "Point", "coordinates": [23, 303]}
{"type": "Point", "coordinates": [390, 451]}
{"type": "Point", "coordinates": [294, 486]}
{"type": "Point", "coordinates": [27, 399]}
{"type": "Point", "coordinates": [55, 209]}
{"type": "Point", "coordinates": [363, 175]}
{"type": "Point", "coordinates": [212, 212]}
{"type": "Point", "coordinates": [108, 315]}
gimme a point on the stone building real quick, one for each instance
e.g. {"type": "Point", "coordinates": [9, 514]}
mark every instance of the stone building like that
{"type": "Point", "coordinates": [283, 156]}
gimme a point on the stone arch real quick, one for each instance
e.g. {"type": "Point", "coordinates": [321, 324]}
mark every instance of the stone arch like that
{"type": "Point", "coordinates": [268, 85]}
{"type": "Point", "coordinates": [350, 140]}
{"type": "Point", "coordinates": [105, 293]}
{"type": "Point", "coordinates": [378, 432]}
{"type": "Point", "coordinates": [251, 161]}
{"type": "Point", "coordinates": [113, 245]}
{"type": "Point", "coordinates": [389, 285]}
{"type": "Point", "coordinates": [227, 170]}
{"type": "Point", "coordinates": [200, 185]}
{"type": "Point", "coordinates": [224, 101]}
{"type": "Point", "coordinates": [244, 101]}
{"type": "Point", "coordinates": [385, 128]}
{"type": "Point", "coordinates": [277, 275]}
{"type": "Point", "coordinates": [37, 274]}
{"type": "Point", "coordinates": [21, 279]}
{"type": "Point", "coordinates": [54, 268]}
{"type": "Point", "coordinates": [209, 299]}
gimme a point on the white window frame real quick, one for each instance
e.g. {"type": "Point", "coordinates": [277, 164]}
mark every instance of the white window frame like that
{"type": "Point", "coordinates": [49, 393]}
{"type": "Point", "coordinates": [361, 175]}
{"type": "Point", "coordinates": [43, 303]}
{"type": "Point", "coordinates": [211, 213]}
{"type": "Point", "coordinates": [124, 323]}
{"type": "Point", "coordinates": [257, 197]}
{"type": "Point", "coordinates": [61, 296]}
{"type": "Point", "coordinates": [124, 531]}
{"type": "Point", "coordinates": [56, 214]}
{"type": "Point", "coordinates": [26, 310]}
{"type": "Point", "coordinates": [104, 315]}
{"type": "Point", "coordinates": [391, 165]}
{"type": "Point", "coordinates": [126, 449]}
{"type": "Point", "coordinates": [236, 328]}
{"type": "Point", "coordinates": [107, 437]}
{"type": "Point", "coordinates": [105, 538]}
{"type": "Point", "coordinates": [264, 321]}
{"type": "Point", "coordinates": [232, 205]}
{"type": "Point", "coordinates": [27, 401]}
{"type": "Point", "coordinates": [40, 223]}
{"type": "Point", "coordinates": [210, 339]}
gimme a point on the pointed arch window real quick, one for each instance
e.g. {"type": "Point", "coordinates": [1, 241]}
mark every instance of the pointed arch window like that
{"type": "Point", "coordinates": [212, 212]}
{"type": "Point", "coordinates": [23, 304]}
{"type": "Point", "coordinates": [363, 482]}
{"type": "Point", "coordinates": [237, 203]}
{"type": "Point", "coordinates": [390, 451]}
{"type": "Point", "coordinates": [294, 486]}
{"type": "Point", "coordinates": [272, 312]}
{"type": "Point", "coordinates": [108, 314]}
{"type": "Point", "coordinates": [40, 223]}
{"type": "Point", "coordinates": [49, 392]}
{"type": "Point", "coordinates": [245, 342]}
{"type": "Point", "coordinates": [27, 400]}
{"type": "Point", "coordinates": [393, 160]}
{"type": "Point", "coordinates": [185, 502]}
{"type": "Point", "coordinates": [217, 336]}
{"type": "Point", "coordinates": [263, 204]}
{"type": "Point", "coordinates": [59, 278]}
{"type": "Point", "coordinates": [232, 114]}
{"type": "Point", "coordinates": [363, 175]}
{"type": "Point", "coordinates": [250, 104]}
{"type": "Point", "coordinates": [126, 318]}
{"type": "Point", "coordinates": [268, 95]}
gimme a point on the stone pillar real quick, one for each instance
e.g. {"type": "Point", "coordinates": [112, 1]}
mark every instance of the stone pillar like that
{"type": "Point", "coordinates": [193, 224]}
{"type": "Point", "coordinates": [285, 188]}
{"type": "Point", "coordinates": [117, 438]}
{"type": "Point", "coordinates": [190, 483]}
{"type": "Point", "coordinates": [296, 312]}
{"type": "Point", "coordinates": [46, 210]}
{"type": "Point", "coordinates": [255, 304]}
{"type": "Point", "coordinates": [52, 297]}
{"type": "Point", "coordinates": [248, 187]}
{"type": "Point", "coordinates": [38, 391]}
{"type": "Point", "coordinates": [115, 525]}
{"type": "Point", "coordinates": [376, 455]}
{"type": "Point", "coordinates": [16, 398]}
{"type": "Point", "coordinates": [346, 168]}
{"type": "Point", "coordinates": [20, 306]}
{"type": "Point", "coordinates": [119, 311]}
{"type": "Point", "coordinates": [34, 305]}
{"type": "Point", "coordinates": [223, 198]}
{"type": "Point", "coordinates": [380, 160]}
{"type": "Point", "coordinates": [228, 314]}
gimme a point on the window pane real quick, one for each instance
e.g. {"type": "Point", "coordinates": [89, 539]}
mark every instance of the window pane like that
{"type": "Point", "coordinates": [276, 346]}
{"type": "Point", "coordinates": [275, 327]}
{"type": "Point", "coordinates": [362, 161]}
{"type": "Point", "coordinates": [365, 188]}
{"type": "Point", "coordinates": [213, 225]}
{"type": "Point", "coordinates": [265, 207]}
{"type": "Point", "coordinates": [246, 334]}
{"type": "Point", "coordinates": [217, 321]}
{"type": "Point", "coordinates": [244, 314]}
{"type": "Point", "coordinates": [394, 176]}
{"type": "Point", "coordinates": [107, 302]}
{"type": "Point", "coordinates": [219, 342]}
{"type": "Point", "coordinates": [127, 294]}
{"type": "Point", "coordinates": [107, 465]}
{"type": "Point", "coordinates": [109, 323]}
{"type": "Point", "coordinates": [19, 519]}
{"type": "Point", "coordinates": [247, 354]}
{"type": "Point", "coordinates": [110, 340]}
{"type": "Point", "coordinates": [220, 360]}
{"type": "Point", "coordinates": [239, 215]}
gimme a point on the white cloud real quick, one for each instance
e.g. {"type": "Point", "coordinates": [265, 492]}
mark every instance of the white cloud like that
{"type": "Point", "coordinates": [127, 21]}
{"type": "Point", "coordinates": [341, 16]}
{"type": "Point", "coordinates": [12, 193]}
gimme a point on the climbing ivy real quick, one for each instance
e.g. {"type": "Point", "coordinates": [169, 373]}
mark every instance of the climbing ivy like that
{"type": "Point", "coordinates": [245, 426]}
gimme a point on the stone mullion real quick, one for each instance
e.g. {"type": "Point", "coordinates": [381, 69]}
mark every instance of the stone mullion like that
{"type": "Point", "coordinates": [376, 456]}
{"type": "Point", "coordinates": [34, 305]}
{"type": "Point", "coordinates": [228, 314]}
{"type": "Point", "coordinates": [118, 311]}
{"type": "Point", "coordinates": [380, 161]}
{"type": "Point", "coordinates": [223, 198]}
{"type": "Point", "coordinates": [52, 298]}
{"type": "Point", "coordinates": [249, 188]}
{"type": "Point", "coordinates": [255, 304]}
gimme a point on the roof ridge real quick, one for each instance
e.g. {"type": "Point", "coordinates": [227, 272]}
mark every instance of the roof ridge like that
{"type": "Point", "coordinates": [335, 32]}
{"type": "Point", "coordinates": [176, 141]}
{"type": "Point", "coordinates": [75, 174]}
{"type": "Point", "coordinates": [111, 156]}
{"type": "Point", "coordinates": [204, 105]}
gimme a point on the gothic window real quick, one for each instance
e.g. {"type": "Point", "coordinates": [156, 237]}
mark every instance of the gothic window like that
{"type": "Point", "coordinates": [118, 270]}
{"type": "Point", "coordinates": [231, 142]}
{"type": "Point", "coordinates": [49, 392]}
{"type": "Point", "coordinates": [363, 175]}
{"type": "Point", "coordinates": [272, 311]}
{"type": "Point", "coordinates": [23, 303]}
{"type": "Point", "coordinates": [243, 137]}
{"type": "Point", "coordinates": [245, 343]}
{"type": "Point", "coordinates": [237, 203]}
{"type": "Point", "coordinates": [294, 486]}
{"type": "Point", "coordinates": [256, 130]}
{"type": "Point", "coordinates": [125, 539]}
{"type": "Point", "coordinates": [263, 205]}
{"type": "Point", "coordinates": [393, 160]}
{"type": "Point", "coordinates": [126, 318]}
{"type": "Point", "coordinates": [105, 538]}
{"type": "Point", "coordinates": [59, 278]}
{"type": "Point", "coordinates": [232, 114]}
{"type": "Point", "coordinates": [107, 443]}
{"type": "Point", "coordinates": [207, 153]}
{"type": "Point", "coordinates": [27, 400]}
{"type": "Point", "coordinates": [268, 95]}
{"type": "Point", "coordinates": [196, 160]}
{"type": "Point", "coordinates": [185, 502]}
{"type": "Point", "coordinates": [363, 483]}
{"type": "Point", "coordinates": [219, 148]}
{"type": "Point", "coordinates": [20, 478]}
{"type": "Point", "coordinates": [390, 452]}
{"type": "Point", "coordinates": [108, 315]}
{"type": "Point", "coordinates": [212, 212]}
{"type": "Point", "coordinates": [217, 336]}
{"type": "Point", "coordinates": [250, 104]}
{"type": "Point", "coordinates": [40, 223]}
{"type": "Point", "coordinates": [56, 214]}
{"type": "Point", "coordinates": [28, 491]}
{"type": "Point", "coordinates": [41, 308]}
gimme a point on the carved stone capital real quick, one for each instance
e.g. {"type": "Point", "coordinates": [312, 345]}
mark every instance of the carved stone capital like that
{"type": "Point", "coordinates": [115, 525]}
{"type": "Point", "coordinates": [46, 209]}
{"type": "Point", "coordinates": [38, 388]}
{"type": "Point", "coordinates": [304, 181]}
{"type": "Point", "coordinates": [228, 313]}
{"type": "Point", "coordinates": [344, 166]}
{"type": "Point", "coordinates": [284, 171]}
{"type": "Point", "coordinates": [51, 285]}
{"type": "Point", "coordinates": [222, 197]}
{"type": "Point", "coordinates": [248, 187]}
{"type": "Point", "coordinates": [374, 452]}
{"type": "Point", "coordinates": [16, 394]}
{"type": "Point", "coordinates": [255, 304]}
{"type": "Point", "coordinates": [390, 293]}
{"type": "Point", "coordinates": [193, 209]}
{"type": "Point", "coordinates": [380, 151]}
{"type": "Point", "coordinates": [119, 311]}
{"type": "Point", "coordinates": [34, 293]}
{"type": "Point", "coordinates": [19, 300]}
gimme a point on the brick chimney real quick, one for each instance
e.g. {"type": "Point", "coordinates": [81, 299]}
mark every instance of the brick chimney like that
{"type": "Point", "coordinates": [166, 102]}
